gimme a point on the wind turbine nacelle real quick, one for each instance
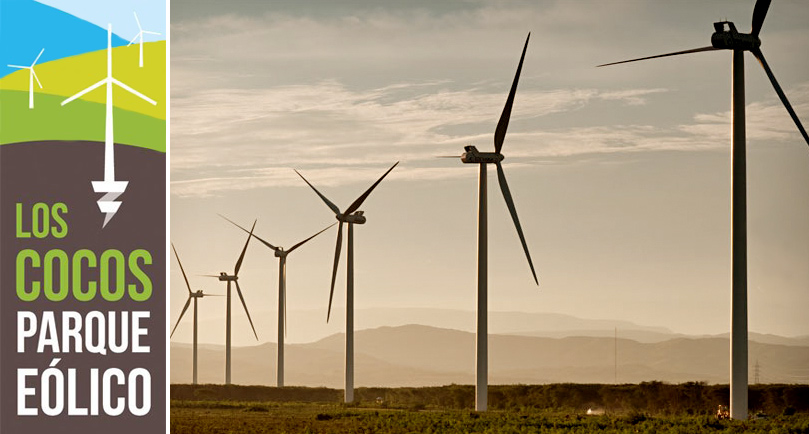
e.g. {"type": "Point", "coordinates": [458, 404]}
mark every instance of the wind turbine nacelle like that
{"type": "Point", "coordinates": [280, 253]}
{"type": "Point", "coordinates": [472, 155]}
{"type": "Point", "coordinates": [356, 218]}
{"type": "Point", "coordinates": [197, 294]}
{"type": "Point", "coordinates": [224, 277]}
{"type": "Point", "coordinates": [731, 39]}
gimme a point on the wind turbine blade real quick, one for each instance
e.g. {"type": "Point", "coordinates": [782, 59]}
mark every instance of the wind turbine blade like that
{"type": "Point", "coordinates": [334, 270]}
{"type": "Point", "coordinates": [209, 275]}
{"type": "Point", "coordinates": [447, 156]}
{"type": "Point", "coordinates": [760, 56]}
{"type": "Point", "coordinates": [332, 206]}
{"type": "Point", "coordinates": [150, 32]}
{"type": "Point", "coordinates": [38, 56]}
{"type": "Point", "coordinates": [357, 203]}
{"type": "Point", "coordinates": [246, 231]}
{"type": "Point", "coordinates": [137, 20]}
{"type": "Point", "coordinates": [36, 78]}
{"type": "Point", "coordinates": [502, 124]}
{"type": "Point", "coordinates": [205, 294]}
{"type": "Point", "coordinates": [135, 38]}
{"type": "Point", "coordinates": [20, 67]}
{"type": "Point", "coordinates": [759, 13]}
{"type": "Point", "coordinates": [695, 50]}
{"type": "Point", "coordinates": [89, 89]}
{"type": "Point", "coordinates": [304, 241]}
{"type": "Point", "coordinates": [185, 308]}
{"type": "Point", "coordinates": [241, 297]}
{"type": "Point", "coordinates": [244, 250]}
{"type": "Point", "coordinates": [501, 176]}
{"type": "Point", "coordinates": [188, 285]}
{"type": "Point", "coordinates": [134, 92]}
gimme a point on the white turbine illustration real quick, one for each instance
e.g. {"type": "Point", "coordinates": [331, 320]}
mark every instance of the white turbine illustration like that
{"type": "Point", "coordinates": [112, 188]}
{"type": "Point", "coordinates": [31, 77]}
{"type": "Point", "coordinates": [140, 34]}
{"type": "Point", "coordinates": [351, 216]}
{"type": "Point", "coordinates": [281, 254]}
{"type": "Point", "coordinates": [726, 37]}
{"type": "Point", "coordinates": [473, 156]}
{"type": "Point", "coordinates": [194, 296]}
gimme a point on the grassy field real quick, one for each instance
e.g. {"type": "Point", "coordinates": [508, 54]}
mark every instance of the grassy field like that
{"type": "Point", "coordinates": [220, 417]}
{"type": "Point", "coordinates": [554, 408]}
{"type": "Point", "coordinates": [80, 120]}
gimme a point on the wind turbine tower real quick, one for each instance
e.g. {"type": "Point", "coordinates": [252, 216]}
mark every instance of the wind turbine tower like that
{"type": "Point", "coordinates": [139, 36]}
{"type": "Point", "coordinates": [281, 254]}
{"type": "Point", "coordinates": [191, 296]}
{"type": "Point", "coordinates": [473, 156]}
{"type": "Point", "coordinates": [234, 278]}
{"type": "Point", "coordinates": [351, 216]}
{"type": "Point", "coordinates": [726, 37]}
{"type": "Point", "coordinates": [109, 186]}
{"type": "Point", "coordinates": [31, 77]}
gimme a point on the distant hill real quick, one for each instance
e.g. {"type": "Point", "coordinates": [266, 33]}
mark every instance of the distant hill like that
{"type": "Point", "coordinates": [136, 121]}
{"type": "Point", "coordinates": [415, 355]}
{"type": "Point", "coordinates": [33, 26]}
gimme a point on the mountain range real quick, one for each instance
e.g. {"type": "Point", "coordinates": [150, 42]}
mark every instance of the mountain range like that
{"type": "Point", "coordinates": [417, 355]}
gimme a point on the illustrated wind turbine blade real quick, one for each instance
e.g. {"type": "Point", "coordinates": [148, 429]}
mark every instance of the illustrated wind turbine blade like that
{"type": "Point", "coordinates": [134, 92]}
{"type": "Point", "coordinates": [760, 56]}
{"type": "Point", "coordinates": [304, 241]}
{"type": "Point", "coordinates": [759, 13]}
{"type": "Point", "coordinates": [89, 89]}
{"type": "Point", "coordinates": [137, 20]}
{"type": "Point", "coordinates": [328, 203]}
{"type": "Point", "coordinates": [185, 308]}
{"type": "Point", "coordinates": [501, 176]}
{"type": "Point", "coordinates": [150, 32]}
{"type": "Point", "coordinates": [241, 297]}
{"type": "Point", "coordinates": [695, 50]}
{"type": "Point", "coordinates": [188, 285]}
{"type": "Point", "coordinates": [247, 232]}
{"type": "Point", "coordinates": [36, 78]}
{"type": "Point", "coordinates": [357, 203]}
{"type": "Point", "coordinates": [134, 39]}
{"type": "Point", "coordinates": [334, 270]}
{"type": "Point", "coordinates": [38, 56]}
{"type": "Point", "coordinates": [19, 67]}
{"type": "Point", "coordinates": [502, 124]}
{"type": "Point", "coordinates": [244, 250]}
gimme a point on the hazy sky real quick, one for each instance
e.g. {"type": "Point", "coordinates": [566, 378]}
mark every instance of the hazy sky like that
{"type": "Point", "coordinates": [620, 175]}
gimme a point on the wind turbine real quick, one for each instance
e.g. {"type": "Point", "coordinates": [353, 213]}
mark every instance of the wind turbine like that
{"type": "Point", "coordinates": [281, 254]}
{"type": "Point", "coordinates": [112, 188]}
{"type": "Point", "coordinates": [225, 277]}
{"type": "Point", "coordinates": [194, 296]}
{"type": "Point", "coordinates": [473, 156]}
{"type": "Point", "coordinates": [140, 34]}
{"type": "Point", "coordinates": [351, 216]}
{"type": "Point", "coordinates": [31, 76]}
{"type": "Point", "coordinates": [726, 37]}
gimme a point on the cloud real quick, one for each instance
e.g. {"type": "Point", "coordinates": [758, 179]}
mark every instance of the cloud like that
{"type": "Point", "coordinates": [347, 92]}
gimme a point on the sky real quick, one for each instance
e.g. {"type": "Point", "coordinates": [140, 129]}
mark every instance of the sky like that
{"type": "Point", "coordinates": [620, 175]}
{"type": "Point", "coordinates": [151, 13]}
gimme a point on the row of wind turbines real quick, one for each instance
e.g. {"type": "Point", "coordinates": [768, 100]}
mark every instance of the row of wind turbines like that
{"type": "Point", "coordinates": [725, 37]}
{"type": "Point", "coordinates": [33, 76]}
